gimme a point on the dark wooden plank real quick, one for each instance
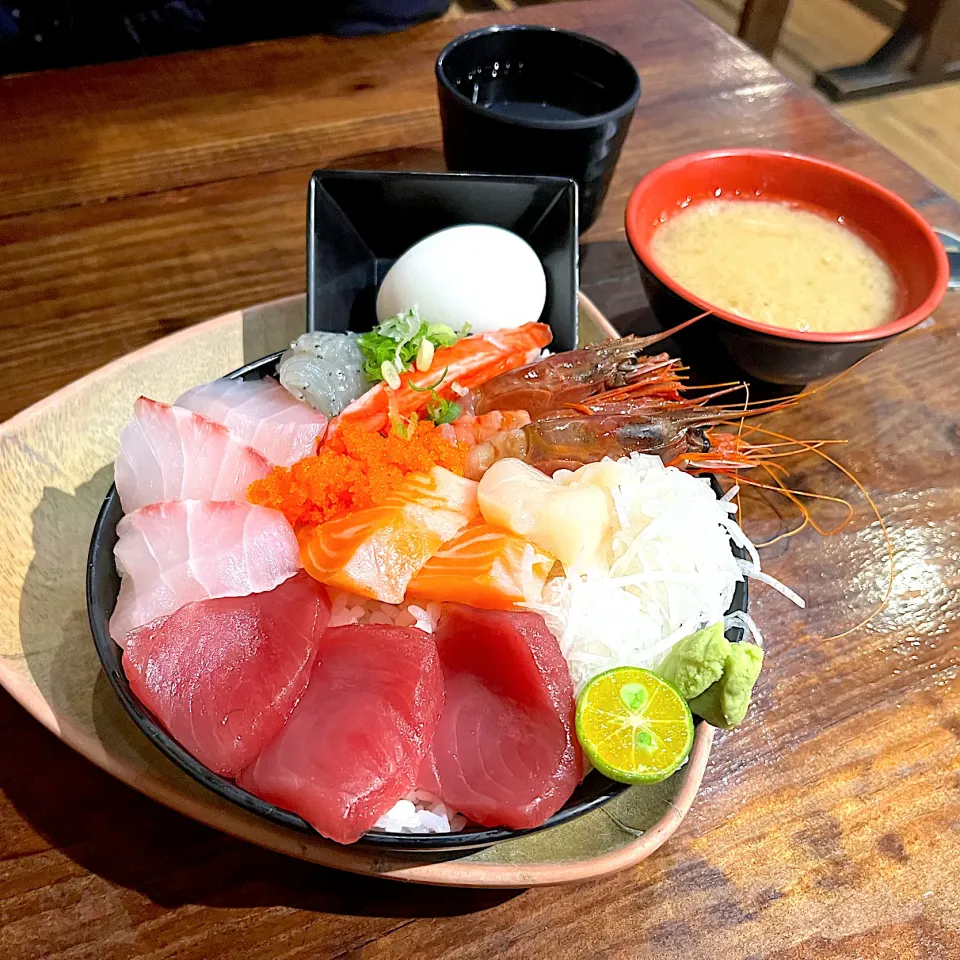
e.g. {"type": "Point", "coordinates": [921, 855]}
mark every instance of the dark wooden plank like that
{"type": "Point", "coordinates": [180, 120]}
{"type": "Point", "coordinates": [923, 49]}
{"type": "Point", "coordinates": [123, 273]}
{"type": "Point", "coordinates": [828, 825]}
{"type": "Point", "coordinates": [941, 46]}
{"type": "Point", "coordinates": [761, 23]}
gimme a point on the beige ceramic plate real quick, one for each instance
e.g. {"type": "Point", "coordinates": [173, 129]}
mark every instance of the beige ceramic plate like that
{"type": "Point", "coordinates": [56, 464]}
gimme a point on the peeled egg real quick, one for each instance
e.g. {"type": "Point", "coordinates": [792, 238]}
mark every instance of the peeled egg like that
{"type": "Point", "coordinates": [477, 274]}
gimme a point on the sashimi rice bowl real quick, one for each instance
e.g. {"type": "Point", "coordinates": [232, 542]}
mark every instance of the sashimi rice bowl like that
{"type": "Point", "coordinates": [426, 579]}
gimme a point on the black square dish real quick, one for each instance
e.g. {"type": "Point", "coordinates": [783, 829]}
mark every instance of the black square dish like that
{"type": "Point", "coordinates": [360, 222]}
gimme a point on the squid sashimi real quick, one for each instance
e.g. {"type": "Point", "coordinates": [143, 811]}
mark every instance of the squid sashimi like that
{"type": "Point", "coordinates": [505, 751]}
{"type": "Point", "coordinates": [376, 551]}
{"type": "Point", "coordinates": [170, 453]}
{"type": "Point", "coordinates": [468, 362]}
{"type": "Point", "coordinates": [485, 566]}
{"type": "Point", "coordinates": [355, 741]}
{"type": "Point", "coordinates": [223, 675]}
{"type": "Point", "coordinates": [263, 414]}
{"type": "Point", "coordinates": [170, 554]}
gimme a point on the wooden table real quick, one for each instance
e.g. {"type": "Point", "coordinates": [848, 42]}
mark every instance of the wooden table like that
{"type": "Point", "coordinates": [142, 197]}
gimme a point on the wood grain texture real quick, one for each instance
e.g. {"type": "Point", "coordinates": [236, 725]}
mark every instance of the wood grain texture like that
{"type": "Point", "coordinates": [181, 195]}
{"type": "Point", "coordinates": [829, 824]}
{"type": "Point", "coordinates": [761, 23]}
{"type": "Point", "coordinates": [919, 126]}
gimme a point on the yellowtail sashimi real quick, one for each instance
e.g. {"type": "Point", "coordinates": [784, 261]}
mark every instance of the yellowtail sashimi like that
{"type": "Point", "coordinates": [169, 453]}
{"type": "Point", "coordinates": [263, 414]}
{"type": "Point", "coordinates": [170, 554]}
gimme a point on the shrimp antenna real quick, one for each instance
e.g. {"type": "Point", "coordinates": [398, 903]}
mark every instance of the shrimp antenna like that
{"type": "Point", "coordinates": [644, 342]}
{"type": "Point", "coordinates": [883, 527]}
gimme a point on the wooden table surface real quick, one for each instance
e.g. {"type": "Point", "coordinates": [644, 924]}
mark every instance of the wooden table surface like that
{"type": "Point", "coordinates": [141, 197]}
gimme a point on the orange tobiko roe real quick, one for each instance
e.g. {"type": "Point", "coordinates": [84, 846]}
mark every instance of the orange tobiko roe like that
{"type": "Point", "coordinates": [355, 468]}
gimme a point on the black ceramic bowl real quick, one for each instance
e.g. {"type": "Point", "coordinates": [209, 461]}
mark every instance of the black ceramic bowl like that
{"type": "Point", "coordinates": [530, 99]}
{"type": "Point", "coordinates": [773, 354]}
{"type": "Point", "coordinates": [359, 222]}
{"type": "Point", "coordinates": [103, 584]}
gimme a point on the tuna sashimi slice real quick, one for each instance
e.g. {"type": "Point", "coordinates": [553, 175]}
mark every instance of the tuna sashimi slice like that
{"type": "Point", "coordinates": [263, 414]}
{"type": "Point", "coordinates": [376, 551]}
{"type": "Point", "coordinates": [485, 566]}
{"type": "Point", "coordinates": [505, 750]}
{"type": "Point", "coordinates": [170, 554]}
{"type": "Point", "coordinates": [223, 675]}
{"type": "Point", "coordinates": [169, 453]}
{"type": "Point", "coordinates": [355, 741]}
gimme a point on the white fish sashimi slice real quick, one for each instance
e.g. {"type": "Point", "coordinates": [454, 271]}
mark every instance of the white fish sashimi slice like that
{"type": "Point", "coordinates": [170, 453]}
{"type": "Point", "coordinates": [174, 553]}
{"type": "Point", "coordinates": [263, 414]}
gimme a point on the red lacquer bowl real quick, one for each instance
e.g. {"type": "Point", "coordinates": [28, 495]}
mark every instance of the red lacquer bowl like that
{"type": "Point", "coordinates": [894, 229]}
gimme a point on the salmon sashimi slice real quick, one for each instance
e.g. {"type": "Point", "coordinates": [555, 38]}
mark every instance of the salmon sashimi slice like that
{"type": "Point", "coordinates": [376, 551]}
{"type": "Point", "coordinates": [355, 741]}
{"type": "Point", "coordinates": [485, 566]}
{"type": "Point", "coordinates": [468, 362]}
{"type": "Point", "coordinates": [505, 750]}
{"type": "Point", "coordinates": [169, 554]}
{"type": "Point", "coordinates": [263, 414]}
{"type": "Point", "coordinates": [223, 675]}
{"type": "Point", "coordinates": [169, 453]}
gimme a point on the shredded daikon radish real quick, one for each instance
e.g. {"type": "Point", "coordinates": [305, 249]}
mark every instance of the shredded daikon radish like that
{"type": "Point", "coordinates": [740, 620]}
{"type": "Point", "coordinates": [730, 494]}
{"type": "Point", "coordinates": [669, 571]}
{"type": "Point", "coordinates": [753, 571]}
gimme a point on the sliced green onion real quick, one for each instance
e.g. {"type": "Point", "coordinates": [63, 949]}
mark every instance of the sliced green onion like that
{"type": "Point", "coordinates": [389, 373]}
{"type": "Point", "coordinates": [433, 386]}
{"type": "Point", "coordinates": [443, 411]}
{"type": "Point", "coordinates": [424, 354]}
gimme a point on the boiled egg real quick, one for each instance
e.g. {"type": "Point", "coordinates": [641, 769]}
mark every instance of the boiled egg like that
{"type": "Point", "coordinates": [477, 274]}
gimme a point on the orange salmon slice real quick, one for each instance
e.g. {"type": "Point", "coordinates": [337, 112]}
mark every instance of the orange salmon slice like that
{"type": "Point", "coordinates": [485, 566]}
{"type": "Point", "coordinates": [375, 552]}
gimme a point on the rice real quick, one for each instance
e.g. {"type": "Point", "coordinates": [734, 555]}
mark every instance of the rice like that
{"type": "Point", "coordinates": [418, 811]}
{"type": "Point", "coordinates": [349, 608]}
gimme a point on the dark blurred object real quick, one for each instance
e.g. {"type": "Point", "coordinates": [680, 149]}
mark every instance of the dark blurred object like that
{"type": "Point", "coordinates": [535, 100]}
{"type": "Point", "coordinates": [43, 34]}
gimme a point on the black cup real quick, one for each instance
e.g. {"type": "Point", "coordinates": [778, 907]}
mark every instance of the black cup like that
{"type": "Point", "coordinates": [536, 100]}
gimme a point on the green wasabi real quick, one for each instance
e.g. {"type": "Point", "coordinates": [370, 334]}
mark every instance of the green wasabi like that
{"type": "Point", "coordinates": [697, 661]}
{"type": "Point", "coordinates": [725, 703]}
{"type": "Point", "coordinates": [714, 675]}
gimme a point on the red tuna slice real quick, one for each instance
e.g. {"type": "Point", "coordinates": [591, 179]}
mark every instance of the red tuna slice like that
{"type": "Point", "coordinates": [168, 453]}
{"type": "Point", "coordinates": [223, 675]}
{"type": "Point", "coordinates": [170, 554]}
{"type": "Point", "coordinates": [505, 751]}
{"type": "Point", "coordinates": [353, 745]}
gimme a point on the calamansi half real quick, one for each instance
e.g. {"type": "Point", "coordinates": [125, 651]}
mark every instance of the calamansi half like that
{"type": "Point", "coordinates": [633, 725]}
